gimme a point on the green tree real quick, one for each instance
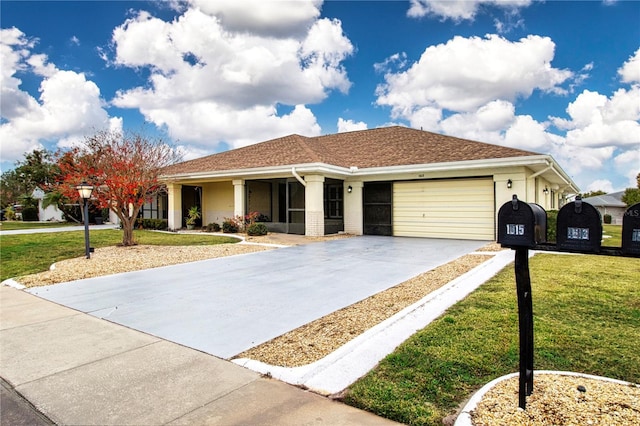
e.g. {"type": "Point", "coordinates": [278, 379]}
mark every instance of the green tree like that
{"type": "Point", "coordinates": [631, 196]}
{"type": "Point", "coordinates": [592, 194]}
{"type": "Point", "coordinates": [35, 170]}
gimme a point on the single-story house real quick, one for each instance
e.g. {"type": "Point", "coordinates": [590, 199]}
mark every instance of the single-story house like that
{"type": "Point", "coordinates": [610, 204]}
{"type": "Point", "coordinates": [386, 181]}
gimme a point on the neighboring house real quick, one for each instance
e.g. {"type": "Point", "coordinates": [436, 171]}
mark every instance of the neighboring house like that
{"type": "Point", "coordinates": [386, 181]}
{"type": "Point", "coordinates": [610, 204]}
{"type": "Point", "coordinates": [51, 213]}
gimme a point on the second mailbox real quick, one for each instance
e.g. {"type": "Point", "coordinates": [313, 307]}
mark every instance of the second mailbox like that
{"type": "Point", "coordinates": [631, 231]}
{"type": "Point", "coordinates": [579, 227]}
{"type": "Point", "coordinates": [521, 225]}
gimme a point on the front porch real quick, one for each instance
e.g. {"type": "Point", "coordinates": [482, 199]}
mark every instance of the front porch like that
{"type": "Point", "coordinates": [312, 206]}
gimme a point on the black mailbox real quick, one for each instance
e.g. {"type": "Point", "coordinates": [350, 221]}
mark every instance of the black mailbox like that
{"type": "Point", "coordinates": [521, 224]}
{"type": "Point", "coordinates": [579, 227]}
{"type": "Point", "coordinates": [631, 230]}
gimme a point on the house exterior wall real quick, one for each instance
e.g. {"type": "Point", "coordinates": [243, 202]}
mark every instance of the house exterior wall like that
{"type": "Point", "coordinates": [353, 212]}
{"type": "Point", "coordinates": [217, 202]}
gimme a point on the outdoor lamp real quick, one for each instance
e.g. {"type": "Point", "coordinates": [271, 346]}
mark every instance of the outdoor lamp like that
{"type": "Point", "coordinates": [85, 190]}
{"type": "Point", "coordinates": [349, 189]}
{"type": "Point", "coordinates": [509, 183]}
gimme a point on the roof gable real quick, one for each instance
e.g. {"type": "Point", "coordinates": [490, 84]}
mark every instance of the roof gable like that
{"type": "Point", "coordinates": [382, 147]}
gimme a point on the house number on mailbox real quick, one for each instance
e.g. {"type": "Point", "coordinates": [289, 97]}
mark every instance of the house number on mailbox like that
{"type": "Point", "coordinates": [577, 233]}
{"type": "Point", "coordinates": [514, 229]}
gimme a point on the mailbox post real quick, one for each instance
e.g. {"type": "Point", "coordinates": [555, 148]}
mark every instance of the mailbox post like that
{"type": "Point", "coordinates": [522, 226]}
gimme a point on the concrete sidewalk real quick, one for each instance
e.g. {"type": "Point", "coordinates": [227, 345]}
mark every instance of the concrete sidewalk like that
{"type": "Point", "coordinates": [77, 369]}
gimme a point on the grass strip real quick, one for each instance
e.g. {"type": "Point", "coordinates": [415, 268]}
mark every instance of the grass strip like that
{"type": "Point", "coordinates": [586, 319]}
{"type": "Point", "coordinates": [25, 254]}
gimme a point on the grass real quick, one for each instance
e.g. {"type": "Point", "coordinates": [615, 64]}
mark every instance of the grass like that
{"type": "Point", "coordinates": [612, 235]}
{"type": "Point", "coordinates": [31, 253]}
{"type": "Point", "coordinates": [11, 225]}
{"type": "Point", "coordinates": [586, 315]}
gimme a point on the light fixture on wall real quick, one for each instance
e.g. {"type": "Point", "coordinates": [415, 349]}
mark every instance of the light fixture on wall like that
{"type": "Point", "coordinates": [349, 189]}
{"type": "Point", "coordinates": [509, 183]}
{"type": "Point", "coordinates": [545, 190]}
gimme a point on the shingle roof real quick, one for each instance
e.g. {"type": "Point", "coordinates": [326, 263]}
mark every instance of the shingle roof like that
{"type": "Point", "coordinates": [387, 146]}
{"type": "Point", "coordinates": [609, 200]}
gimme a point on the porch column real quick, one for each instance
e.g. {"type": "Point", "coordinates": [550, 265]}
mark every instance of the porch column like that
{"type": "Point", "coordinates": [174, 209]}
{"type": "Point", "coordinates": [314, 206]}
{"type": "Point", "coordinates": [238, 197]}
{"type": "Point", "coordinates": [353, 213]}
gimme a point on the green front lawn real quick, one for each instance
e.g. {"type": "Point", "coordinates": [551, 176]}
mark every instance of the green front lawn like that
{"type": "Point", "coordinates": [586, 315]}
{"type": "Point", "coordinates": [25, 254]}
{"type": "Point", "coordinates": [11, 225]}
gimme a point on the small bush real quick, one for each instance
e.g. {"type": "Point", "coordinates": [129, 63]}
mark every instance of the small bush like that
{"type": "Point", "coordinates": [156, 224]}
{"type": "Point", "coordinates": [229, 226]}
{"type": "Point", "coordinates": [30, 214]}
{"type": "Point", "coordinates": [213, 227]}
{"type": "Point", "coordinates": [607, 219]}
{"type": "Point", "coordinates": [552, 220]}
{"type": "Point", "coordinates": [10, 213]}
{"type": "Point", "coordinates": [257, 229]}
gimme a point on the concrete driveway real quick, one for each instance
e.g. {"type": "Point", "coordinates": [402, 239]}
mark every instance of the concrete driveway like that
{"type": "Point", "coordinates": [227, 305]}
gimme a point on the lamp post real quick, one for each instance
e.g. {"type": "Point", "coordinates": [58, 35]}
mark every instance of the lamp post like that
{"type": "Point", "coordinates": [85, 190]}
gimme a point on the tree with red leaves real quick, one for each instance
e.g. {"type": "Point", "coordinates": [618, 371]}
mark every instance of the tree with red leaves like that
{"type": "Point", "coordinates": [123, 168]}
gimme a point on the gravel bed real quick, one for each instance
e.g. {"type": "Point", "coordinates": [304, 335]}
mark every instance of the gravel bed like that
{"type": "Point", "coordinates": [114, 260]}
{"type": "Point", "coordinates": [556, 400]}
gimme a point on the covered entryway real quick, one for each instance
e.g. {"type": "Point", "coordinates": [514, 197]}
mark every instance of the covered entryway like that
{"type": "Point", "coordinates": [450, 208]}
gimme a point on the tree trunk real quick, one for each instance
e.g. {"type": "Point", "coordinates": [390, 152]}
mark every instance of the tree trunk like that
{"type": "Point", "coordinates": [127, 232]}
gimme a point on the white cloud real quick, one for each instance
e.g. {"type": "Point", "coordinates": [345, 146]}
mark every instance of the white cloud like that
{"type": "Point", "coordinates": [630, 71]}
{"type": "Point", "coordinates": [466, 73]}
{"type": "Point", "coordinates": [68, 108]}
{"type": "Point", "coordinates": [600, 185]}
{"type": "Point", "coordinates": [459, 10]}
{"type": "Point", "coordinates": [596, 121]}
{"type": "Point", "coordinates": [265, 18]}
{"type": "Point", "coordinates": [221, 76]}
{"type": "Point", "coordinates": [350, 125]}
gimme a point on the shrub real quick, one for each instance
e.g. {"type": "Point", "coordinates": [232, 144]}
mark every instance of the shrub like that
{"type": "Point", "coordinates": [607, 219]}
{"type": "Point", "coordinates": [30, 214]}
{"type": "Point", "coordinates": [213, 227]}
{"type": "Point", "coordinates": [229, 226]}
{"type": "Point", "coordinates": [257, 229]}
{"type": "Point", "coordinates": [10, 213]}
{"type": "Point", "coordinates": [552, 220]}
{"type": "Point", "coordinates": [156, 224]}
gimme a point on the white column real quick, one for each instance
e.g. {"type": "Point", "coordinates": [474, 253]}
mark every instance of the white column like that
{"type": "Point", "coordinates": [353, 213]}
{"type": "Point", "coordinates": [314, 205]}
{"type": "Point", "coordinates": [238, 197]}
{"type": "Point", "coordinates": [174, 205]}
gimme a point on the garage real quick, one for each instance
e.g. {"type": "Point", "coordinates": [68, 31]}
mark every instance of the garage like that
{"type": "Point", "coordinates": [451, 208]}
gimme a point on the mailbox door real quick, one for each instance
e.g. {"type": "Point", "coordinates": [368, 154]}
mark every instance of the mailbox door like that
{"type": "Point", "coordinates": [579, 227]}
{"type": "Point", "coordinates": [631, 231]}
{"type": "Point", "coordinates": [516, 225]}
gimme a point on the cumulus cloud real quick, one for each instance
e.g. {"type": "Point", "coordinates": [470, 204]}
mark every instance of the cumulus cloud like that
{"type": "Point", "coordinates": [630, 71]}
{"type": "Point", "coordinates": [69, 105]}
{"type": "Point", "coordinates": [458, 10]}
{"type": "Point", "coordinates": [218, 73]}
{"type": "Point", "coordinates": [466, 73]}
{"type": "Point", "coordinates": [350, 125]}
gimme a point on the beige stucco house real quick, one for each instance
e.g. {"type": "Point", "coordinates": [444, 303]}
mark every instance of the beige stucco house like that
{"type": "Point", "coordinates": [386, 181]}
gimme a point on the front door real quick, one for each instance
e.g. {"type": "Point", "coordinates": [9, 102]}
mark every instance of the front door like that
{"type": "Point", "coordinates": [377, 198]}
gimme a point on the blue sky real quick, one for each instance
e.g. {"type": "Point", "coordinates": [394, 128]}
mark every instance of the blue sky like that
{"type": "Point", "coordinates": [555, 77]}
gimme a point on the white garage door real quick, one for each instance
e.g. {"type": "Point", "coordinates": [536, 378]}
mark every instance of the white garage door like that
{"type": "Point", "coordinates": [457, 208]}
